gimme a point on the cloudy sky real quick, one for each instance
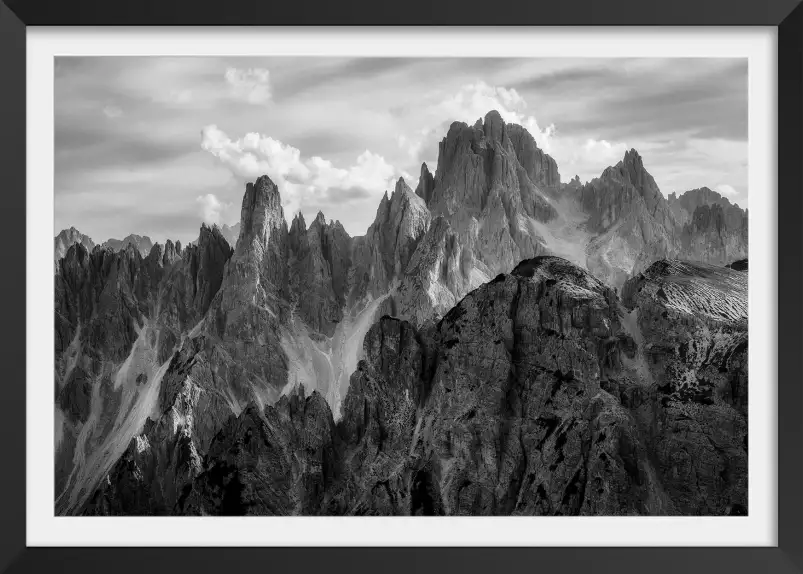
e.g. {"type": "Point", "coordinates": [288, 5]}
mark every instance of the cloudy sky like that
{"type": "Point", "coordinates": [154, 146]}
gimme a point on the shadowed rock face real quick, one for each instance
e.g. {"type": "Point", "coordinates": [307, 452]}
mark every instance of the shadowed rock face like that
{"type": "Point", "coordinates": [740, 265]}
{"type": "Point", "coordinates": [541, 168]}
{"type": "Point", "coordinates": [276, 462]}
{"type": "Point", "coordinates": [320, 259]}
{"type": "Point", "coordinates": [426, 184]}
{"type": "Point", "coordinates": [538, 394]}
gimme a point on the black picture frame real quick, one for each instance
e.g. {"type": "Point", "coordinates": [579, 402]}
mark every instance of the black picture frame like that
{"type": "Point", "coordinates": [787, 15]}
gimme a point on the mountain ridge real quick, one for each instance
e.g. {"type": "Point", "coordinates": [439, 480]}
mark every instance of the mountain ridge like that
{"type": "Point", "coordinates": [232, 338]}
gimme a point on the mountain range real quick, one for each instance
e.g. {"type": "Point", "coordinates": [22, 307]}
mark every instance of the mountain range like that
{"type": "Point", "coordinates": [498, 342]}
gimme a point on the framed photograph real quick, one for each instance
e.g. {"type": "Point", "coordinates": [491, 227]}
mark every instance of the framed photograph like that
{"type": "Point", "coordinates": [411, 289]}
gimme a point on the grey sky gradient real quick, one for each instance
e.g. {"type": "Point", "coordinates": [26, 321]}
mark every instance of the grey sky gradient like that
{"type": "Point", "coordinates": [154, 146]}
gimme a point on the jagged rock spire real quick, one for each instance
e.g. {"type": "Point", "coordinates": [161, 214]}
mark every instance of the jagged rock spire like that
{"type": "Point", "coordinates": [426, 184]}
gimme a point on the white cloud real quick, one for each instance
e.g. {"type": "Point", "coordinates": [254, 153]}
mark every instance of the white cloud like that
{"type": "Point", "coordinates": [475, 100]}
{"type": "Point", "coordinates": [211, 208]}
{"type": "Point", "coordinates": [426, 119]}
{"type": "Point", "coordinates": [437, 110]}
{"type": "Point", "coordinates": [251, 85]}
{"type": "Point", "coordinates": [726, 190]}
{"type": "Point", "coordinates": [588, 159]}
{"type": "Point", "coordinates": [303, 182]}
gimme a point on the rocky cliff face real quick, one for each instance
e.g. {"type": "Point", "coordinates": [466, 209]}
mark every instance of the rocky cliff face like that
{"type": "Point", "coordinates": [320, 260]}
{"type": "Point", "coordinates": [539, 394]}
{"type": "Point", "coordinates": [631, 220]}
{"type": "Point", "coordinates": [488, 200]}
{"type": "Point", "coordinates": [692, 318]}
{"type": "Point", "coordinates": [409, 371]}
{"type": "Point", "coordinates": [714, 230]}
{"type": "Point", "coordinates": [65, 239]}
{"type": "Point", "coordinates": [685, 204]}
{"type": "Point", "coordinates": [119, 319]}
{"type": "Point", "coordinates": [535, 395]}
{"type": "Point", "coordinates": [426, 184]}
{"type": "Point", "coordinates": [633, 225]}
{"type": "Point", "coordinates": [384, 254]}
{"type": "Point", "coordinates": [541, 169]}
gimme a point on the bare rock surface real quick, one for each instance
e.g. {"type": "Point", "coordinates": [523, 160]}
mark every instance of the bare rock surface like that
{"type": "Point", "coordinates": [320, 260]}
{"type": "Point", "coordinates": [715, 234]}
{"type": "Point", "coordinates": [384, 254]}
{"type": "Point", "coordinates": [538, 394]}
{"type": "Point", "coordinates": [692, 318]}
{"type": "Point", "coordinates": [469, 355]}
{"type": "Point", "coordinates": [630, 219]}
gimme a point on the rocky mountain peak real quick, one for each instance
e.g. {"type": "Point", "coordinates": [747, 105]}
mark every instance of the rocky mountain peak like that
{"type": "Point", "coordinates": [298, 230]}
{"type": "Point", "coordinates": [541, 168]}
{"type": "Point", "coordinates": [207, 259]}
{"type": "Point", "coordinates": [298, 222]}
{"type": "Point", "coordinates": [401, 221]}
{"type": "Point", "coordinates": [320, 219]}
{"type": "Point", "coordinates": [426, 184]}
{"type": "Point", "coordinates": [156, 254]}
{"type": "Point", "coordinates": [261, 209]}
{"type": "Point", "coordinates": [633, 172]}
{"type": "Point", "coordinates": [171, 253]}
{"type": "Point", "coordinates": [633, 160]}
{"type": "Point", "coordinates": [319, 260]}
{"type": "Point", "coordinates": [685, 204]}
{"type": "Point", "coordinates": [494, 127]}
{"type": "Point", "coordinates": [65, 239]}
{"type": "Point", "coordinates": [712, 229]}
{"type": "Point", "coordinates": [209, 235]}
{"type": "Point", "coordinates": [401, 189]}
{"type": "Point", "coordinates": [630, 172]}
{"type": "Point", "coordinates": [260, 258]}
